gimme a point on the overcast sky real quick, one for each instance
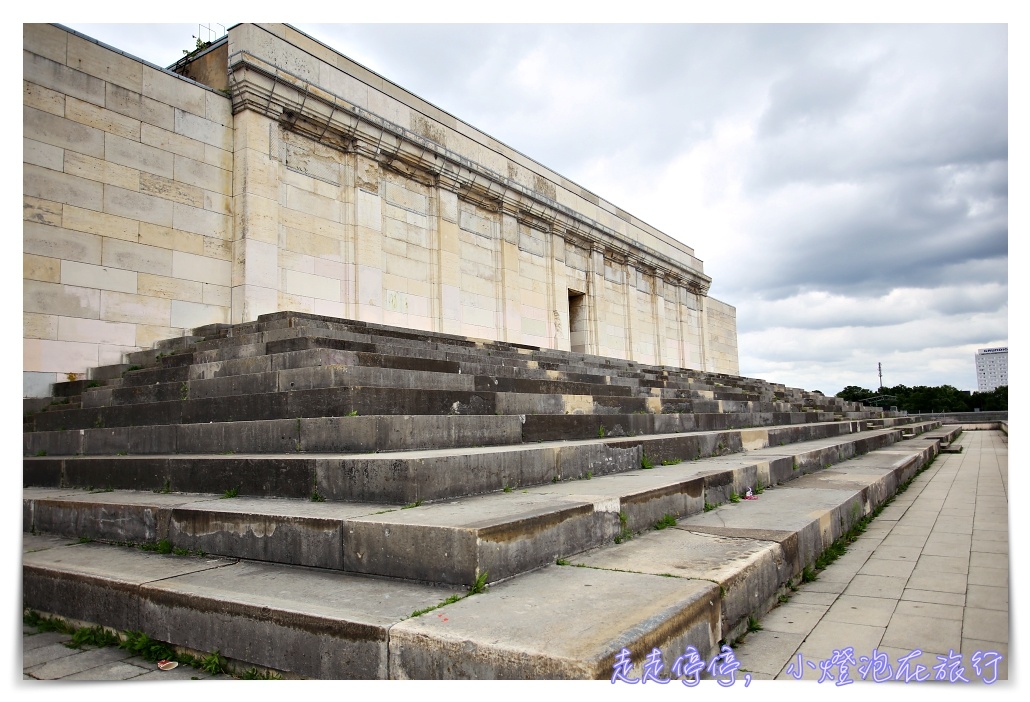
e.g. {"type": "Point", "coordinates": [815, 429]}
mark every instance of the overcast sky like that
{"type": "Point", "coordinates": [845, 185]}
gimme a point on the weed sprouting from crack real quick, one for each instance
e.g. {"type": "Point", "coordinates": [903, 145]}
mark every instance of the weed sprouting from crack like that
{"type": "Point", "coordinates": [479, 586]}
{"type": "Point", "coordinates": [625, 533]}
{"type": "Point", "coordinates": [665, 522]}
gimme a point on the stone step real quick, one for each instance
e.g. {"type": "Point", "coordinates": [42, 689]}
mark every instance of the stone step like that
{"type": "Point", "coordinates": [312, 622]}
{"type": "Point", "coordinates": [403, 477]}
{"type": "Point", "coordinates": [180, 350]}
{"type": "Point", "coordinates": [334, 625]}
{"type": "Point", "coordinates": [425, 337]}
{"type": "Point", "coordinates": [353, 434]}
{"type": "Point", "coordinates": [693, 584]}
{"type": "Point", "coordinates": [504, 533]}
{"type": "Point", "coordinates": [303, 435]}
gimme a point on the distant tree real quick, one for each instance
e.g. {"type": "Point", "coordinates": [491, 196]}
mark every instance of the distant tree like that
{"type": "Point", "coordinates": [996, 400]}
{"type": "Point", "coordinates": [923, 398]}
{"type": "Point", "coordinates": [853, 393]}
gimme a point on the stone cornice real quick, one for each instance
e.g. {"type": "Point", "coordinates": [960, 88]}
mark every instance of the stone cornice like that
{"type": "Point", "coordinates": [324, 117]}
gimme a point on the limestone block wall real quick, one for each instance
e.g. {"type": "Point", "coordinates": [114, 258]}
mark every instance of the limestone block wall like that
{"type": "Point", "coordinates": [127, 205]}
{"type": "Point", "coordinates": [721, 323]}
{"type": "Point", "coordinates": [154, 205]}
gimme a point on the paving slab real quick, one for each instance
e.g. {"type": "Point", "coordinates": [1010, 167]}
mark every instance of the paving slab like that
{"type": "Point", "coordinates": [935, 609]}
{"type": "Point", "coordinates": [985, 624]}
{"type": "Point", "coordinates": [79, 662]}
{"type": "Point", "coordinates": [32, 640]}
{"type": "Point", "coordinates": [856, 609]}
{"type": "Point", "coordinates": [793, 618]}
{"type": "Point", "coordinates": [995, 577]}
{"type": "Point", "coordinates": [883, 566]}
{"type": "Point", "coordinates": [916, 630]}
{"type": "Point", "coordinates": [118, 670]}
{"type": "Point", "coordinates": [954, 599]}
{"type": "Point", "coordinates": [767, 655]}
{"type": "Point", "coordinates": [876, 586]}
{"type": "Point", "coordinates": [987, 597]}
{"type": "Point", "coordinates": [44, 655]}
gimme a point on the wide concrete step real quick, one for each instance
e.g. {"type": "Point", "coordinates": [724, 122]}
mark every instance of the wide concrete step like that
{"type": "Point", "coordinates": [312, 622]}
{"type": "Point", "coordinates": [399, 477]}
{"type": "Point", "coordinates": [456, 541]}
{"type": "Point", "coordinates": [557, 623]}
{"type": "Point", "coordinates": [693, 584]}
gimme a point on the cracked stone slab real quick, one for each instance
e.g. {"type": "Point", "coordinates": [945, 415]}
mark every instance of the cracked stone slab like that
{"type": "Point", "coordinates": [99, 583]}
{"type": "Point", "coordinates": [750, 571]}
{"type": "Point", "coordinates": [559, 622]}
{"type": "Point", "coordinates": [314, 622]}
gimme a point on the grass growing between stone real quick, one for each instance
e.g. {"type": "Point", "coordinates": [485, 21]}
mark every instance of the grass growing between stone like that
{"type": "Point", "coordinates": [476, 588]}
{"type": "Point", "coordinates": [840, 546]}
{"type": "Point", "coordinates": [666, 521]}
{"type": "Point", "coordinates": [625, 534]}
{"type": "Point", "coordinates": [140, 644]}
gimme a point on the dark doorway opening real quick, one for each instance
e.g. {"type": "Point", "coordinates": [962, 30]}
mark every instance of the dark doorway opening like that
{"type": "Point", "coordinates": [579, 335]}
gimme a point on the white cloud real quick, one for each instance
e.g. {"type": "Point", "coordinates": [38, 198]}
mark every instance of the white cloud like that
{"type": "Point", "coordinates": [845, 185]}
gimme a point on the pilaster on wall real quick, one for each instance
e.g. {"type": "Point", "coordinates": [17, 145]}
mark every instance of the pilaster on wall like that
{"type": "Point", "coordinates": [510, 297]}
{"type": "Point", "coordinates": [595, 299]}
{"type": "Point", "coordinates": [368, 241]}
{"type": "Point", "coordinates": [449, 254]}
{"type": "Point", "coordinates": [658, 306]}
{"type": "Point", "coordinates": [558, 297]}
{"type": "Point", "coordinates": [256, 225]}
{"type": "Point", "coordinates": [629, 286]}
{"type": "Point", "coordinates": [702, 315]}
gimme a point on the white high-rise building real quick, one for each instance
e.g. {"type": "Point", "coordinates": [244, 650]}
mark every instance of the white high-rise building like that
{"type": "Point", "coordinates": [992, 368]}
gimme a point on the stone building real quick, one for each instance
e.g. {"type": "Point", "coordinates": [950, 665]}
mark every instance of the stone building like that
{"type": "Point", "coordinates": [277, 174]}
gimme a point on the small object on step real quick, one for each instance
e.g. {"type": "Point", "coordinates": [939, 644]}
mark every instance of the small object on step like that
{"type": "Point", "coordinates": [749, 496]}
{"type": "Point", "coordinates": [167, 665]}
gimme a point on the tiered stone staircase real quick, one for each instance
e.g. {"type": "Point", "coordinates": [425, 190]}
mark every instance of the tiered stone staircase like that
{"type": "Point", "coordinates": [341, 477]}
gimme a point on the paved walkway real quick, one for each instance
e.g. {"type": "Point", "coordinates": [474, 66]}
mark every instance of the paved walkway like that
{"type": "Point", "coordinates": [45, 657]}
{"type": "Point", "coordinates": [929, 573]}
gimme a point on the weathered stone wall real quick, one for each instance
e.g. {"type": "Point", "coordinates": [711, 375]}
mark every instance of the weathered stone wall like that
{"type": "Point", "coordinates": [721, 322]}
{"type": "Point", "coordinates": [151, 208]}
{"type": "Point", "coordinates": [127, 205]}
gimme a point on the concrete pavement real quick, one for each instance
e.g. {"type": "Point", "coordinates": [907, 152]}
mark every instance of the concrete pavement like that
{"type": "Point", "coordinates": [930, 573]}
{"type": "Point", "coordinates": [45, 657]}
